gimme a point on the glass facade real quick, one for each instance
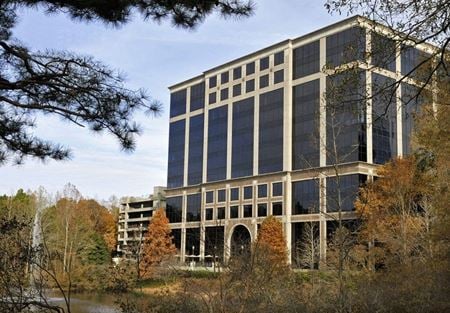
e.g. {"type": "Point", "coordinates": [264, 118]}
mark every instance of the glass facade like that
{"type": "Point", "coordinates": [278, 76]}
{"type": "Point", "coordinates": [412, 59]}
{"type": "Point", "coordinates": [384, 119]}
{"type": "Point", "coordinates": [197, 96]}
{"type": "Point", "coordinates": [305, 125]}
{"type": "Point", "coordinates": [192, 241]}
{"type": "Point", "coordinates": [346, 46]}
{"type": "Point", "coordinates": [237, 90]}
{"type": "Point", "coordinates": [305, 196]}
{"type": "Point", "coordinates": [383, 52]}
{"type": "Point", "coordinates": [242, 138]}
{"type": "Point", "coordinates": [195, 165]}
{"type": "Point", "coordinates": [193, 207]}
{"type": "Point", "coordinates": [262, 191]}
{"type": "Point", "coordinates": [175, 170]}
{"type": "Point", "coordinates": [278, 58]}
{"type": "Point", "coordinates": [224, 94]}
{"type": "Point", "coordinates": [221, 195]}
{"type": "Point", "coordinates": [346, 118]}
{"type": "Point", "coordinates": [306, 60]}
{"type": "Point", "coordinates": [342, 191]}
{"type": "Point", "coordinates": [212, 98]}
{"type": "Point", "coordinates": [411, 101]}
{"type": "Point", "coordinates": [214, 242]}
{"type": "Point", "coordinates": [174, 209]}
{"type": "Point", "coordinates": [277, 189]}
{"type": "Point", "coordinates": [234, 194]}
{"type": "Point", "coordinates": [217, 144]}
{"type": "Point", "coordinates": [264, 81]}
{"type": "Point", "coordinates": [224, 77]}
{"type": "Point", "coordinates": [248, 192]}
{"type": "Point", "coordinates": [250, 68]}
{"type": "Point", "coordinates": [264, 63]}
{"type": "Point", "coordinates": [237, 73]}
{"type": "Point", "coordinates": [250, 85]}
{"type": "Point", "coordinates": [210, 197]}
{"type": "Point", "coordinates": [178, 103]}
{"type": "Point", "coordinates": [212, 81]}
{"type": "Point", "coordinates": [271, 132]}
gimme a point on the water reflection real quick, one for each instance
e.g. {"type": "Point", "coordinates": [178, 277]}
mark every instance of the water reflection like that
{"type": "Point", "coordinates": [88, 303]}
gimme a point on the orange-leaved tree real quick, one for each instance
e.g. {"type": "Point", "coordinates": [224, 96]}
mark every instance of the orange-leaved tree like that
{"type": "Point", "coordinates": [392, 212]}
{"type": "Point", "coordinates": [157, 246]}
{"type": "Point", "coordinates": [271, 241]}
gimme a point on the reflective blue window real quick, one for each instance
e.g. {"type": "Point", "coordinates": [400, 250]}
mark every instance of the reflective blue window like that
{"type": "Point", "coordinates": [262, 191]}
{"type": "Point", "coordinates": [271, 132]}
{"type": "Point", "coordinates": [305, 128]}
{"type": "Point", "coordinates": [248, 192]}
{"type": "Point", "coordinates": [305, 197]}
{"type": "Point", "coordinates": [178, 103]}
{"type": "Point", "coordinates": [346, 46]}
{"type": "Point", "coordinates": [250, 68]}
{"type": "Point", "coordinates": [224, 94]}
{"type": "Point", "coordinates": [174, 209]}
{"type": "Point", "coordinates": [209, 196]}
{"type": "Point", "coordinates": [264, 63]}
{"type": "Point", "coordinates": [197, 96]}
{"type": "Point", "coordinates": [342, 191]}
{"type": "Point", "coordinates": [411, 60]}
{"type": "Point", "coordinates": [383, 52]}
{"type": "Point", "coordinates": [217, 143]}
{"type": "Point", "coordinates": [346, 118]}
{"type": "Point", "coordinates": [278, 76]}
{"type": "Point", "coordinates": [175, 167]}
{"type": "Point", "coordinates": [224, 78]}
{"type": "Point", "coordinates": [195, 166]}
{"type": "Point", "coordinates": [212, 97]}
{"type": "Point", "coordinates": [236, 90]}
{"type": "Point", "coordinates": [306, 60]}
{"type": "Point", "coordinates": [221, 195]}
{"type": "Point", "coordinates": [278, 58]}
{"type": "Point", "coordinates": [212, 81]}
{"type": "Point", "coordinates": [277, 189]}
{"type": "Point", "coordinates": [237, 72]}
{"type": "Point", "coordinates": [384, 119]}
{"type": "Point", "coordinates": [192, 241]}
{"type": "Point", "coordinates": [242, 138]}
{"type": "Point", "coordinates": [193, 207]}
{"type": "Point", "coordinates": [250, 85]}
{"type": "Point", "coordinates": [234, 194]}
{"type": "Point", "coordinates": [264, 81]}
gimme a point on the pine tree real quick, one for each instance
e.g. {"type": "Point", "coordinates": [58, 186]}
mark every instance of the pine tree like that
{"type": "Point", "coordinates": [157, 246]}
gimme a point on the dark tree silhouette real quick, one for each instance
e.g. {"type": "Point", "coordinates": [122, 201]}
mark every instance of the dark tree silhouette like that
{"type": "Point", "coordinates": [80, 89]}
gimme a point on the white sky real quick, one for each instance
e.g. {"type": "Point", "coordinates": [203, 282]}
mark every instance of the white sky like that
{"type": "Point", "coordinates": [153, 56]}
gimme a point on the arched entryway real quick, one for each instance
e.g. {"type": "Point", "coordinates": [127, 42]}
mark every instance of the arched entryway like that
{"type": "Point", "coordinates": [240, 241]}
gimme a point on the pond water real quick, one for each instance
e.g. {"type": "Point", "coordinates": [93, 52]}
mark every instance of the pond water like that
{"type": "Point", "coordinates": [88, 303]}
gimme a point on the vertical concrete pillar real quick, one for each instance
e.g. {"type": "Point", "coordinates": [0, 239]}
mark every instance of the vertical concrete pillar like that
{"type": "Point", "coordinates": [288, 213]}
{"type": "Point", "coordinates": [368, 91]}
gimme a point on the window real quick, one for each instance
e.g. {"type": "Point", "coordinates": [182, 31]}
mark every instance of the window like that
{"type": "Point", "coordinates": [264, 63]}
{"type": "Point", "coordinates": [224, 94]}
{"type": "Point", "coordinates": [264, 81]}
{"type": "Point", "coordinates": [174, 209]}
{"type": "Point", "coordinates": [175, 169]}
{"type": "Point", "coordinates": [250, 85]}
{"type": "Point", "coordinates": [178, 103]}
{"type": "Point", "coordinates": [262, 191]}
{"type": "Point", "coordinates": [192, 241]}
{"type": "Point", "coordinates": [237, 73]}
{"type": "Point", "coordinates": [383, 52]}
{"type": "Point", "coordinates": [217, 144]}
{"type": "Point", "coordinates": [234, 211]}
{"type": "Point", "coordinates": [410, 107]}
{"type": "Point", "coordinates": [348, 190]}
{"type": "Point", "coordinates": [248, 192]}
{"type": "Point", "coordinates": [306, 60]}
{"type": "Point", "coordinates": [410, 60]}
{"type": "Point", "coordinates": [346, 118]}
{"type": "Point", "coordinates": [305, 125]}
{"type": "Point", "coordinates": [384, 119]}
{"type": "Point", "coordinates": [250, 68]}
{"type": "Point", "coordinates": [208, 214]}
{"type": "Point", "coordinates": [224, 78]}
{"type": "Point", "coordinates": [277, 189]}
{"type": "Point", "coordinates": [346, 46]}
{"type": "Point", "coordinates": [279, 58]}
{"type": "Point", "coordinates": [193, 206]}
{"type": "Point", "coordinates": [277, 208]}
{"type": "Point", "coordinates": [248, 210]}
{"type": "Point", "coordinates": [195, 155]}
{"type": "Point", "coordinates": [197, 96]}
{"type": "Point", "coordinates": [305, 197]}
{"type": "Point", "coordinates": [236, 90]}
{"type": "Point", "coordinates": [278, 76]}
{"type": "Point", "coordinates": [221, 213]}
{"type": "Point", "coordinates": [212, 81]}
{"type": "Point", "coordinates": [242, 138]}
{"type": "Point", "coordinates": [221, 195]}
{"type": "Point", "coordinates": [271, 132]}
{"type": "Point", "coordinates": [234, 194]}
{"type": "Point", "coordinates": [212, 97]}
{"type": "Point", "coordinates": [209, 196]}
{"type": "Point", "coordinates": [262, 209]}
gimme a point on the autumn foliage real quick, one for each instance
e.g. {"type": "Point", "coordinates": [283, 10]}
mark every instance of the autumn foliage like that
{"type": "Point", "coordinates": [272, 240]}
{"type": "Point", "coordinates": [157, 246]}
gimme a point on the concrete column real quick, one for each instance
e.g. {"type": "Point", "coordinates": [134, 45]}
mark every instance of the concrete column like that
{"type": "Point", "coordinates": [398, 66]}
{"type": "Point", "coordinates": [287, 116]}
{"type": "Point", "coordinates": [322, 220]}
{"type": "Point", "coordinates": [229, 139]}
{"type": "Point", "coordinates": [186, 137]}
{"type": "Point", "coordinates": [322, 106]}
{"type": "Point", "coordinates": [288, 214]}
{"type": "Point", "coordinates": [205, 133]}
{"type": "Point", "coordinates": [368, 90]}
{"type": "Point", "coordinates": [202, 242]}
{"type": "Point", "coordinates": [183, 227]}
{"type": "Point", "coordinates": [256, 132]}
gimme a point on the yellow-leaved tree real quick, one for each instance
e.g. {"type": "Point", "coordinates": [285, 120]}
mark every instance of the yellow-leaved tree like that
{"type": "Point", "coordinates": [157, 246]}
{"type": "Point", "coordinates": [271, 241]}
